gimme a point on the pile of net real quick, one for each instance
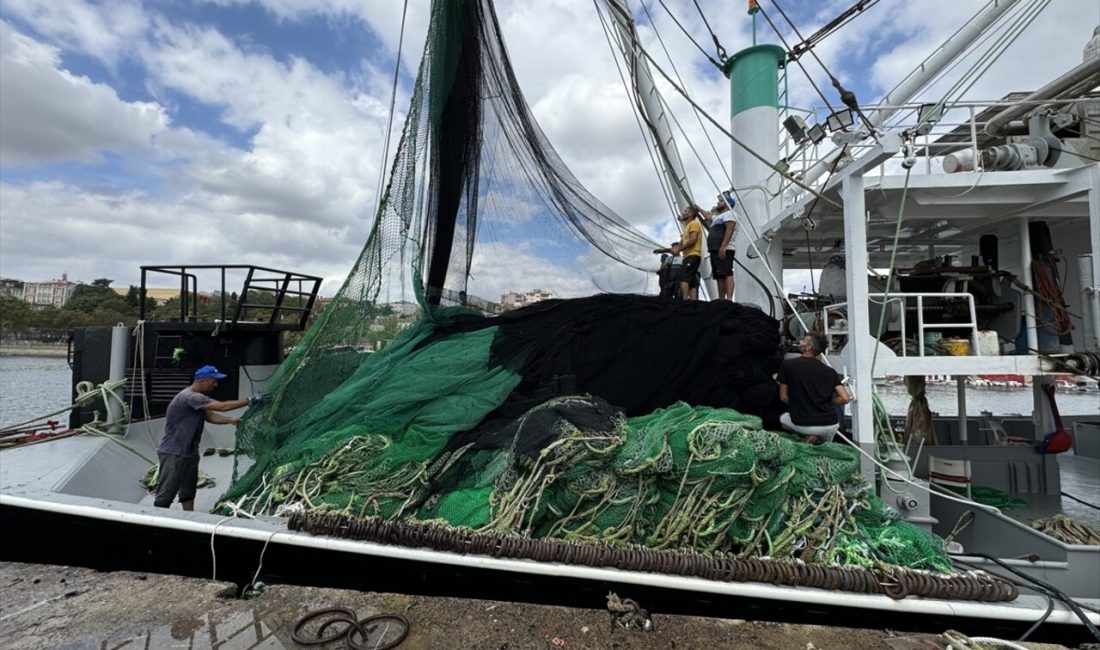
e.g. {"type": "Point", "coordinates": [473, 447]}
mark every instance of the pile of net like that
{"type": "Point", "coordinates": [541, 423]}
{"type": "Point", "coordinates": [618, 419]}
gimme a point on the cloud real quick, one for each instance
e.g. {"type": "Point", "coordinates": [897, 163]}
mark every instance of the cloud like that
{"type": "Point", "coordinates": [50, 228]}
{"type": "Point", "coordinates": [104, 30]}
{"type": "Point", "coordinates": [162, 133]}
{"type": "Point", "coordinates": [52, 115]}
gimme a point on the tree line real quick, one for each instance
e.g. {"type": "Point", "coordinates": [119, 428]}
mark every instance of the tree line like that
{"type": "Point", "coordinates": [90, 305]}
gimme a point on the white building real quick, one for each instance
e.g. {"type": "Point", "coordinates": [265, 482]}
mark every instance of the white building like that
{"type": "Point", "coordinates": [515, 300]}
{"type": "Point", "coordinates": [54, 293]}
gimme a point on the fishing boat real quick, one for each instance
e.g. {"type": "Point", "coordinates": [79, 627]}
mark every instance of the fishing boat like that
{"type": "Point", "coordinates": [963, 214]}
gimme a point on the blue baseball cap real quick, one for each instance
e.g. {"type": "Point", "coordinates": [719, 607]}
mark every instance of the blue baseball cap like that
{"type": "Point", "coordinates": [208, 372]}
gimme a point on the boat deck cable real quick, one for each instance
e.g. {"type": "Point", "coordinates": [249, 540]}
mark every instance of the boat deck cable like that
{"type": "Point", "coordinates": [1038, 585]}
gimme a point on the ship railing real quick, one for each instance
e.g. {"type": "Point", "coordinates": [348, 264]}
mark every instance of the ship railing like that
{"type": "Point", "coordinates": [933, 132]}
{"type": "Point", "coordinates": [837, 325]}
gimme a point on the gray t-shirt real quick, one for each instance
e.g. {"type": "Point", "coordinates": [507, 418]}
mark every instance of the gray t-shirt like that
{"type": "Point", "coordinates": [183, 422]}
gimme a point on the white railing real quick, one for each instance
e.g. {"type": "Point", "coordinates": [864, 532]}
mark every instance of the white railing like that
{"type": "Point", "coordinates": [962, 117]}
{"type": "Point", "coordinates": [886, 299]}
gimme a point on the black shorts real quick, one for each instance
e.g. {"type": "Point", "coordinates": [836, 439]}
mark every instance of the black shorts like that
{"type": "Point", "coordinates": [721, 268]}
{"type": "Point", "coordinates": [178, 474]}
{"type": "Point", "coordinates": [689, 271]}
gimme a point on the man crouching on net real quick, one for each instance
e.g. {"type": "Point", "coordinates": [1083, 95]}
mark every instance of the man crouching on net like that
{"type": "Point", "coordinates": [183, 425]}
{"type": "Point", "coordinates": [812, 390]}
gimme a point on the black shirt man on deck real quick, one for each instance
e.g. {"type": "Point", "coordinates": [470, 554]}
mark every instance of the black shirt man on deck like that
{"type": "Point", "coordinates": [812, 390]}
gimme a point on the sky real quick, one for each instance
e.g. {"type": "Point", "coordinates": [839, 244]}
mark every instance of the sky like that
{"type": "Point", "coordinates": [252, 131]}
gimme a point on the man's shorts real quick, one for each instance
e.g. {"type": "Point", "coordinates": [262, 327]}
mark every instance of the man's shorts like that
{"type": "Point", "coordinates": [689, 271]}
{"type": "Point", "coordinates": [721, 268]}
{"type": "Point", "coordinates": [825, 432]}
{"type": "Point", "coordinates": [178, 474]}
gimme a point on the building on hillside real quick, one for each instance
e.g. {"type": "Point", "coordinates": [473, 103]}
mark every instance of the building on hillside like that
{"type": "Point", "coordinates": [54, 293]}
{"type": "Point", "coordinates": [405, 309]}
{"type": "Point", "coordinates": [11, 287]}
{"type": "Point", "coordinates": [515, 300]}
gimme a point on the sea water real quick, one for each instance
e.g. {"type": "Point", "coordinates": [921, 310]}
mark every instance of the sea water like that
{"type": "Point", "coordinates": [33, 386]}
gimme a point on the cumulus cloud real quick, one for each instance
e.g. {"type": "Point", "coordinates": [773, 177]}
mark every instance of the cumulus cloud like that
{"type": "Point", "coordinates": [104, 30]}
{"type": "Point", "coordinates": [281, 164]}
{"type": "Point", "coordinates": [52, 115]}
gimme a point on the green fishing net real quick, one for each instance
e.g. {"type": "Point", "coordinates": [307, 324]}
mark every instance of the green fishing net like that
{"type": "Point", "coordinates": [369, 410]}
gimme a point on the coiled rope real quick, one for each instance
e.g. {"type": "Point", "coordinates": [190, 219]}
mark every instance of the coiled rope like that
{"type": "Point", "coordinates": [1068, 530]}
{"type": "Point", "coordinates": [896, 583]}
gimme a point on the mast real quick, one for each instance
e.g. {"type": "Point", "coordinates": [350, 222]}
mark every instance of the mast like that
{"type": "Point", "coordinates": [754, 121]}
{"type": "Point", "coordinates": [648, 100]}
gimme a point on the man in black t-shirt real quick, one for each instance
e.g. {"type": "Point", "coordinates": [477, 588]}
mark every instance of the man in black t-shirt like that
{"type": "Point", "coordinates": [812, 390]}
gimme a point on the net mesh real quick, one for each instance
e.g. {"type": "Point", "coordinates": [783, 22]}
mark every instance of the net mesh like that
{"type": "Point", "coordinates": [608, 419]}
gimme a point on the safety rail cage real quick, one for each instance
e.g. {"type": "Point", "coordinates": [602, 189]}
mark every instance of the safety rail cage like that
{"type": "Point", "coordinates": [886, 299]}
{"type": "Point", "coordinates": [277, 284]}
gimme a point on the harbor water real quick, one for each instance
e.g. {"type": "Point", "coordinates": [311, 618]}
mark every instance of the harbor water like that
{"type": "Point", "coordinates": [33, 386]}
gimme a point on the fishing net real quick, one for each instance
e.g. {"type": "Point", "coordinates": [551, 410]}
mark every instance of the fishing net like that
{"type": "Point", "coordinates": [612, 418]}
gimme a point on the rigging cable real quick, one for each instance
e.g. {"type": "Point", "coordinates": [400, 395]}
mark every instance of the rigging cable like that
{"type": "Point", "coordinates": [393, 101]}
{"type": "Point", "coordinates": [666, 189]}
{"type": "Point", "coordinates": [846, 96]}
{"type": "Point", "coordinates": [717, 45]}
{"type": "Point", "coordinates": [809, 78]}
{"type": "Point", "coordinates": [688, 34]}
{"type": "Point", "coordinates": [672, 64]}
{"type": "Point", "coordinates": [830, 28]}
{"type": "Point", "coordinates": [977, 70]}
{"type": "Point", "coordinates": [726, 132]}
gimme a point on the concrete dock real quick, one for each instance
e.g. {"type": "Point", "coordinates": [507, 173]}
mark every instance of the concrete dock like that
{"type": "Point", "coordinates": [46, 606]}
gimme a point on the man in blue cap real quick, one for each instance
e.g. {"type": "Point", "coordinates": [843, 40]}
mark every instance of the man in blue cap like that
{"type": "Point", "coordinates": [183, 424]}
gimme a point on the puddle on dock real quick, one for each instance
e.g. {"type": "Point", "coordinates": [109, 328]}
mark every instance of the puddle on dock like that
{"type": "Point", "coordinates": [239, 631]}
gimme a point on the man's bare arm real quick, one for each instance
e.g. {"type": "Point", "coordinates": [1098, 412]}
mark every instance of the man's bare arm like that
{"type": "Point", "coordinates": [784, 395]}
{"type": "Point", "coordinates": [842, 396]}
{"type": "Point", "coordinates": [215, 405]}
{"type": "Point", "coordinates": [215, 418]}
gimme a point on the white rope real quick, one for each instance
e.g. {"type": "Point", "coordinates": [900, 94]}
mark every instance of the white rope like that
{"type": "Point", "coordinates": [213, 553]}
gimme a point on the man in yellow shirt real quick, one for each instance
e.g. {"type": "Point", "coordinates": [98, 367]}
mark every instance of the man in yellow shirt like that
{"type": "Point", "coordinates": [690, 247]}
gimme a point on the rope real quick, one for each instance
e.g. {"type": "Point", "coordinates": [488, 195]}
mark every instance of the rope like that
{"type": "Point", "coordinates": [86, 393]}
{"type": "Point", "coordinates": [1068, 530]}
{"type": "Point", "coordinates": [959, 641]}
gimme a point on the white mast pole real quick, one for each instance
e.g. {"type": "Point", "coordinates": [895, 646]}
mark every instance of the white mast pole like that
{"type": "Point", "coordinates": [654, 114]}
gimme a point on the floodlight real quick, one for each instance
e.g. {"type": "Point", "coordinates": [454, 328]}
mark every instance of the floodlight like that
{"type": "Point", "coordinates": [841, 120]}
{"type": "Point", "coordinates": [927, 117]}
{"type": "Point", "coordinates": [796, 127]}
{"type": "Point", "coordinates": [816, 133]}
